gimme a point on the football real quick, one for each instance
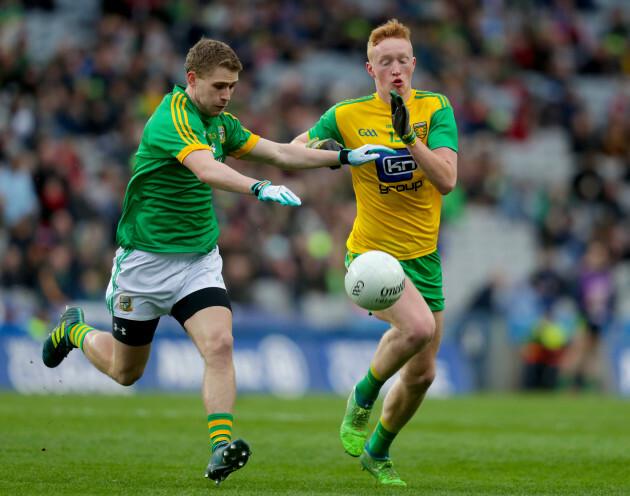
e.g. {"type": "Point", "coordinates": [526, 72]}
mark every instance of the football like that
{"type": "Point", "coordinates": [375, 280]}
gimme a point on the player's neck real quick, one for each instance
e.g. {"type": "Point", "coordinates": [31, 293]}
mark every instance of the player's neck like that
{"type": "Point", "coordinates": [190, 92]}
{"type": "Point", "coordinates": [386, 97]}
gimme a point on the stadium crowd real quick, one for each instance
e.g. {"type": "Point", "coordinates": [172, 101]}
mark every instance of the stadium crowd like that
{"type": "Point", "coordinates": [77, 84]}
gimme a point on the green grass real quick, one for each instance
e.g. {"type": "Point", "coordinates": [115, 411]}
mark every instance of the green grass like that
{"type": "Point", "coordinates": [158, 444]}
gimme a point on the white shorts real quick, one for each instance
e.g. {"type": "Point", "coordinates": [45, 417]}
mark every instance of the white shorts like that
{"type": "Point", "coordinates": [145, 286]}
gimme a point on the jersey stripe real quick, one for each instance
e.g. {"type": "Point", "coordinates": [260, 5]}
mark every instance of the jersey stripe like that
{"type": "Point", "coordinates": [181, 110]}
{"type": "Point", "coordinates": [247, 147]}
{"type": "Point", "coordinates": [356, 100]}
{"type": "Point", "coordinates": [190, 131]}
{"type": "Point", "coordinates": [174, 116]}
{"type": "Point", "coordinates": [425, 94]}
{"type": "Point", "coordinates": [191, 148]}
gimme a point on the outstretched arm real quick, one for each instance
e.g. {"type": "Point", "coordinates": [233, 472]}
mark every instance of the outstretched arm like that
{"type": "Point", "coordinates": [221, 176]}
{"type": "Point", "coordinates": [323, 144]}
{"type": "Point", "coordinates": [297, 156]}
{"type": "Point", "coordinates": [302, 139]}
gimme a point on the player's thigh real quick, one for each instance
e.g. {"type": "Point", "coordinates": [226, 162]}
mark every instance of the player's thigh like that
{"type": "Point", "coordinates": [210, 329]}
{"type": "Point", "coordinates": [409, 312]}
{"type": "Point", "coordinates": [129, 359]}
{"type": "Point", "coordinates": [132, 344]}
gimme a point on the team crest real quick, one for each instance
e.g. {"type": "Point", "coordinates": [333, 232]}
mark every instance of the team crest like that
{"type": "Point", "coordinates": [420, 128]}
{"type": "Point", "coordinates": [221, 134]}
{"type": "Point", "coordinates": [124, 302]}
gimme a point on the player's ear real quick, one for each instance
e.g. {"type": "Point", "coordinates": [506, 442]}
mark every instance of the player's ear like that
{"type": "Point", "coordinates": [191, 77]}
{"type": "Point", "coordinates": [370, 69]}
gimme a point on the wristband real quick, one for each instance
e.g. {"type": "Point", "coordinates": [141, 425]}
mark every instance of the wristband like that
{"type": "Point", "coordinates": [343, 156]}
{"type": "Point", "coordinates": [409, 139]}
{"type": "Point", "coordinates": [257, 187]}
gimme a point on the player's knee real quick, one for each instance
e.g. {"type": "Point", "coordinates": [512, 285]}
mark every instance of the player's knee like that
{"type": "Point", "coordinates": [219, 344]}
{"type": "Point", "coordinates": [127, 377]}
{"type": "Point", "coordinates": [420, 332]}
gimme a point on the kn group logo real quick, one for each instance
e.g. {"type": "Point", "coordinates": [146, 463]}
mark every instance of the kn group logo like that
{"type": "Point", "coordinates": [396, 168]}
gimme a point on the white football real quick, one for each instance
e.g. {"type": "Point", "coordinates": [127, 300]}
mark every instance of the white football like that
{"type": "Point", "coordinates": [375, 280]}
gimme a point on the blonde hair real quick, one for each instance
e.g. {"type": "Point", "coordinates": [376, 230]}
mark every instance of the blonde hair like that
{"type": "Point", "coordinates": [206, 55]}
{"type": "Point", "coordinates": [391, 29]}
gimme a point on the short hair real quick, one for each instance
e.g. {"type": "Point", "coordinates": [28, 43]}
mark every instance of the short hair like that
{"type": "Point", "coordinates": [206, 55]}
{"type": "Point", "coordinates": [391, 29]}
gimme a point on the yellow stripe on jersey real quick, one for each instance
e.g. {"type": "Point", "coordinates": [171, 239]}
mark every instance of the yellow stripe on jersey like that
{"type": "Point", "coordinates": [180, 109]}
{"type": "Point", "coordinates": [187, 127]}
{"type": "Point", "coordinates": [174, 116]}
{"type": "Point", "coordinates": [191, 148]}
{"type": "Point", "coordinates": [246, 148]}
{"type": "Point", "coordinates": [424, 94]}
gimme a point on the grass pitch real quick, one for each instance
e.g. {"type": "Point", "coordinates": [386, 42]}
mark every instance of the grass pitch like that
{"type": "Point", "coordinates": [158, 445]}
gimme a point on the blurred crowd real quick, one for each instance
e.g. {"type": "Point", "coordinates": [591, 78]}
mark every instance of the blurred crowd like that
{"type": "Point", "coordinates": [78, 82]}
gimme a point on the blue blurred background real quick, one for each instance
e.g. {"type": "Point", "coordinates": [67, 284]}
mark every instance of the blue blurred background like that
{"type": "Point", "coordinates": [535, 240]}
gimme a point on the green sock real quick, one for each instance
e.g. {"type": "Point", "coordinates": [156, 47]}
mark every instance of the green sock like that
{"type": "Point", "coordinates": [77, 334]}
{"type": "Point", "coordinates": [368, 388]}
{"type": "Point", "coordinates": [381, 440]}
{"type": "Point", "coordinates": [220, 425]}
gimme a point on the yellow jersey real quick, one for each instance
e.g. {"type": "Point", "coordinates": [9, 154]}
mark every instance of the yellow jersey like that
{"type": "Point", "coordinates": [398, 209]}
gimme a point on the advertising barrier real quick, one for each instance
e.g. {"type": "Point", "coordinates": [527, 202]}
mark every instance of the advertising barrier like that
{"type": "Point", "coordinates": [268, 360]}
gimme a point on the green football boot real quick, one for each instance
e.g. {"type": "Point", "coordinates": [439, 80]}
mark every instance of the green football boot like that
{"type": "Point", "coordinates": [382, 469]}
{"type": "Point", "coordinates": [58, 345]}
{"type": "Point", "coordinates": [227, 459]}
{"type": "Point", "coordinates": [354, 426]}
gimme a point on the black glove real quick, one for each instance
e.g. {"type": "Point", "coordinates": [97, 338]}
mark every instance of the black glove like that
{"type": "Point", "coordinates": [326, 144]}
{"type": "Point", "coordinates": [400, 120]}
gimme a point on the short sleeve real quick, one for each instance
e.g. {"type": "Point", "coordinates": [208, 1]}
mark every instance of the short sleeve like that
{"type": "Point", "coordinates": [173, 132]}
{"type": "Point", "coordinates": [326, 127]}
{"type": "Point", "coordinates": [443, 130]}
{"type": "Point", "coordinates": [238, 140]}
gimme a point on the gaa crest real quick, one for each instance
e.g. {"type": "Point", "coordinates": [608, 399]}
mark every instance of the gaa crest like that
{"type": "Point", "coordinates": [420, 128]}
{"type": "Point", "coordinates": [221, 134]}
{"type": "Point", "coordinates": [124, 302]}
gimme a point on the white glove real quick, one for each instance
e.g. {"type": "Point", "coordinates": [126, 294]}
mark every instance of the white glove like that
{"type": "Point", "coordinates": [265, 191]}
{"type": "Point", "coordinates": [363, 154]}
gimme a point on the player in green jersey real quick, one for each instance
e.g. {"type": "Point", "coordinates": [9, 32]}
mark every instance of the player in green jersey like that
{"type": "Point", "coordinates": [398, 211]}
{"type": "Point", "coordinates": [168, 261]}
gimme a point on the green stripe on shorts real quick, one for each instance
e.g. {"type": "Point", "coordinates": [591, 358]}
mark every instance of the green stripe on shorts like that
{"type": "Point", "coordinates": [425, 274]}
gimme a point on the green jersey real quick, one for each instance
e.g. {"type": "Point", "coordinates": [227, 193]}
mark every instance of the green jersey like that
{"type": "Point", "coordinates": [167, 209]}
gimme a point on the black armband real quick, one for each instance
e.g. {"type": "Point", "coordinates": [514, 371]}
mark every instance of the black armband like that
{"type": "Point", "coordinates": [258, 186]}
{"type": "Point", "coordinates": [343, 156]}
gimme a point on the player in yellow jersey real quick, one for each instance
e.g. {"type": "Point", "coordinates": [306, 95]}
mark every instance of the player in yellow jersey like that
{"type": "Point", "coordinates": [168, 261]}
{"type": "Point", "coordinates": [398, 211]}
